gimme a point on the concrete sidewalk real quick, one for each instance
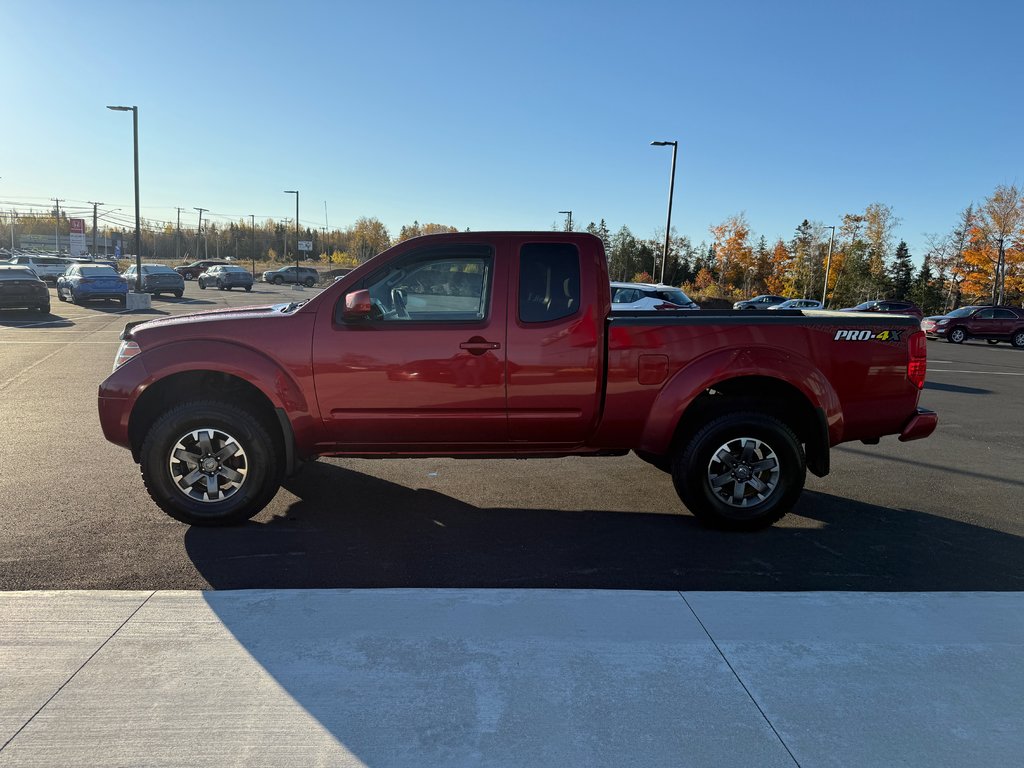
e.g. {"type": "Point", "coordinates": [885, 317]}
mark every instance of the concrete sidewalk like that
{"type": "Point", "coordinates": [511, 678]}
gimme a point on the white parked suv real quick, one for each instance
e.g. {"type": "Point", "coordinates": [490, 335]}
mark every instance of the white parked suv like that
{"type": "Point", "coordinates": [626, 296]}
{"type": "Point", "coordinates": [47, 268]}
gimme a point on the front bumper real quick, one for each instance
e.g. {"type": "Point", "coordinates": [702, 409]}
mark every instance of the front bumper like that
{"type": "Point", "coordinates": [920, 425]}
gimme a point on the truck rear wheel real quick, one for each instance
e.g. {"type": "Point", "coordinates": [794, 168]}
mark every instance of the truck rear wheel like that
{"type": "Point", "coordinates": [209, 463]}
{"type": "Point", "coordinates": [741, 471]}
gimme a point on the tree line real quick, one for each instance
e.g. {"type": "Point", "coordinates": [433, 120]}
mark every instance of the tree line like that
{"type": "Point", "coordinates": [979, 259]}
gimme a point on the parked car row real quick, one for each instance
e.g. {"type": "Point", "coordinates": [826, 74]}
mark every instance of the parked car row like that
{"type": "Point", "coordinates": [157, 279]}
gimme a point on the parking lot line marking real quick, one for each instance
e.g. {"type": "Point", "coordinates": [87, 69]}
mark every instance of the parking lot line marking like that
{"type": "Point", "coordinates": [980, 373]}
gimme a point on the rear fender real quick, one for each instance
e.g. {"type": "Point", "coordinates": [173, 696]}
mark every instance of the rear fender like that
{"type": "Point", "coordinates": [719, 367]}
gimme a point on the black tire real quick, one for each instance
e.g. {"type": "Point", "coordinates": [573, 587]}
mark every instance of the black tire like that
{"type": "Point", "coordinates": [695, 466]}
{"type": "Point", "coordinates": [202, 285]}
{"type": "Point", "coordinates": [309, 282]}
{"type": "Point", "coordinates": [60, 296]}
{"type": "Point", "coordinates": [178, 294]}
{"type": "Point", "coordinates": [1018, 339]}
{"type": "Point", "coordinates": [189, 276]}
{"type": "Point", "coordinates": [956, 336]}
{"type": "Point", "coordinates": [71, 296]}
{"type": "Point", "coordinates": [248, 289]}
{"type": "Point", "coordinates": [223, 424]}
{"type": "Point", "coordinates": [278, 280]}
{"type": "Point", "coordinates": [220, 286]}
{"type": "Point", "coordinates": [123, 301]}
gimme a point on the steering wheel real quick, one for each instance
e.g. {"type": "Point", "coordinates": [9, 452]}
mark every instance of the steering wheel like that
{"type": "Point", "coordinates": [398, 300]}
{"type": "Point", "coordinates": [381, 312]}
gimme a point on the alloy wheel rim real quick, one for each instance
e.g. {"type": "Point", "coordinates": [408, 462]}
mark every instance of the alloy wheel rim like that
{"type": "Point", "coordinates": [743, 472]}
{"type": "Point", "coordinates": [208, 465]}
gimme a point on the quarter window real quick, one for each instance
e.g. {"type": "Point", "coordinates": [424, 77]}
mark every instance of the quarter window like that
{"type": "Point", "coordinates": [549, 282]}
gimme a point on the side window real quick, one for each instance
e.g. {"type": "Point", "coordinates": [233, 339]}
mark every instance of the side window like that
{"type": "Point", "coordinates": [1005, 314]}
{"type": "Point", "coordinates": [439, 285]}
{"type": "Point", "coordinates": [985, 314]}
{"type": "Point", "coordinates": [549, 282]}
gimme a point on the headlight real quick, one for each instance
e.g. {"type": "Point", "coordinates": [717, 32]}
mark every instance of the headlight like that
{"type": "Point", "coordinates": [125, 352]}
{"type": "Point", "coordinates": [941, 322]}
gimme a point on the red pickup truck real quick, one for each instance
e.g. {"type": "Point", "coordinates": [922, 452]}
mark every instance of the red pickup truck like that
{"type": "Point", "coordinates": [503, 344]}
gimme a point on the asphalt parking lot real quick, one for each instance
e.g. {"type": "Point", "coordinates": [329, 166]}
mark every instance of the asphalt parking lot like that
{"type": "Point", "coordinates": [938, 514]}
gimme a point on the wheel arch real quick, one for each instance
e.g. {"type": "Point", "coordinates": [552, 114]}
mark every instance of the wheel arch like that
{"type": "Point", "coordinates": [773, 382]}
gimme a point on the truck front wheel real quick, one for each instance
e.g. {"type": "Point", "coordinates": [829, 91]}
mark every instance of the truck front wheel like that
{"type": "Point", "coordinates": [742, 471]}
{"type": "Point", "coordinates": [209, 463]}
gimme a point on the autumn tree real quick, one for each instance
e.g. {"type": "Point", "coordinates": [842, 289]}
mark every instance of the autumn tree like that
{"type": "Point", "coordinates": [779, 279]}
{"type": "Point", "coordinates": [1002, 216]}
{"type": "Point", "coordinates": [733, 251]}
{"type": "Point", "coordinates": [369, 237]}
{"type": "Point", "coordinates": [416, 229]}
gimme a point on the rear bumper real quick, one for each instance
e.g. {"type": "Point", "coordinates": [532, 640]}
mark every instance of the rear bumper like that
{"type": "Point", "coordinates": [919, 425]}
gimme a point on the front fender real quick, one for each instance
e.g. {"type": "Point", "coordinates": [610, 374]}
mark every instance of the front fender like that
{"type": "Point", "coordinates": [717, 367]}
{"type": "Point", "coordinates": [280, 383]}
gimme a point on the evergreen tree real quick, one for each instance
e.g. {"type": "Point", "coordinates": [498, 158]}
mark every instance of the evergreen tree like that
{"type": "Point", "coordinates": [902, 272]}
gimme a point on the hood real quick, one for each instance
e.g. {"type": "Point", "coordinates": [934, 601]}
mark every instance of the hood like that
{"type": "Point", "coordinates": [195, 320]}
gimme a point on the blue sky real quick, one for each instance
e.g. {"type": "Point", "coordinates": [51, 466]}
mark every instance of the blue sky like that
{"type": "Point", "coordinates": [497, 115]}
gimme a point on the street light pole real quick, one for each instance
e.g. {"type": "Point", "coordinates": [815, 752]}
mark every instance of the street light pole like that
{"type": "Point", "coordinates": [296, 193]}
{"type": "Point", "coordinates": [138, 218]}
{"type": "Point", "coordinates": [828, 263]}
{"type": "Point", "coordinates": [252, 217]}
{"type": "Point", "coordinates": [200, 230]}
{"type": "Point", "coordinates": [568, 226]}
{"type": "Point", "coordinates": [671, 191]}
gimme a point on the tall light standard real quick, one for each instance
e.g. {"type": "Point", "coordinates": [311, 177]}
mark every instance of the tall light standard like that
{"type": "Point", "coordinates": [138, 219]}
{"type": "Point", "coordinates": [828, 263]}
{"type": "Point", "coordinates": [296, 193]}
{"type": "Point", "coordinates": [568, 226]}
{"type": "Point", "coordinates": [671, 190]}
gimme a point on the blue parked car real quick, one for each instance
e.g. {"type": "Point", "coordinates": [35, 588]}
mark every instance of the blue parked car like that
{"type": "Point", "coordinates": [90, 282]}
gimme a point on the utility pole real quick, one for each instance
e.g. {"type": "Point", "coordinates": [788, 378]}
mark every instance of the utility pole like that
{"type": "Point", "coordinates": [568, 226]}
{"type": "Point", "coordinates": [200, 227]}
{"type": "Point", "coordinates": [177, 240]}
{"type": "Point", "coordinates": [56, 224]}
{"type": "Point", "coordinates": [327, 228]}
{"type": "Point", "coordinates": [94, 207]}
{"type": "Point", "coordinates": [252, 216]}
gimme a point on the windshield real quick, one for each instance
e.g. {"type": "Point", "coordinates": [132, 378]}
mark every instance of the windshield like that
{"type": "Point", "coordinates": [674, 295]}
{"type": "Point", "coordinates": [962, 312]}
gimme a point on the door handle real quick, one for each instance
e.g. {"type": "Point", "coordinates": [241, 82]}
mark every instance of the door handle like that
{"type": "Point", "coordinates": [478, 345]}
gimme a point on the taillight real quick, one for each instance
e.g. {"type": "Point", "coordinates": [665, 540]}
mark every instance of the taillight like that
{"type": "Point", "coordinates": [917, 366]}
{"type": "Point", "coordinates": [125, 352]}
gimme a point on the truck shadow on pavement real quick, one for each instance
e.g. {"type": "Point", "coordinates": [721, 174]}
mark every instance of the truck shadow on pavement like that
{"type": "Point", "coordinates": [352, 530]}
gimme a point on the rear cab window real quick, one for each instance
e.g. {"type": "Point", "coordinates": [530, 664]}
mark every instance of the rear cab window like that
{"type": "Point", "coordinates": [549, 282]}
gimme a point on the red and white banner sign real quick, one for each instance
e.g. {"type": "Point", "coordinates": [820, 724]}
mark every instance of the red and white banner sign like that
{"type": "Point", "coordinates": [78, 247]}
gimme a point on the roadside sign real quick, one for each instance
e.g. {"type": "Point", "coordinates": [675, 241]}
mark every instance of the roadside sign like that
{"type": "Point", "coordinates": [305, 245]}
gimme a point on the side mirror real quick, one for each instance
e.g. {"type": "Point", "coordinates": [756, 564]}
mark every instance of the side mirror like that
{"type": "Point", "coordinates": [358, 305]}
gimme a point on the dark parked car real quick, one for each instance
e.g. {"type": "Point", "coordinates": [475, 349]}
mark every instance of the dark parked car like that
{"type": "Point", "coordinates": [21, 288]}
{"type": "Point", "coordinates": [196, 268]}
{"type": "Point", "coordinates": [224, 277]}
{"type": "Point", "coordinates": [157, 279]}
{"type": "Point", "coordinates": [91, 282]}
{"type": "Point", "coordinates": [887, 307]}
{"type": "Point", "coordinates": [764, 301]}
{"type": "Point", "coordinates": [989, 322]}
{"type": "Point", "coordinates": [305, 275]}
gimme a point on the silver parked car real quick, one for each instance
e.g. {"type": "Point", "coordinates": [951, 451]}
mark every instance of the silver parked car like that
{"type": "Point", "coordinates": [224, 277]}
{"type": "Point", "coordinates": [157, 279]}
{"type": "Point", "coordinates": [799, 304]}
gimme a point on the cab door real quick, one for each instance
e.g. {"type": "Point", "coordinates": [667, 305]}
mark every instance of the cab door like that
{"type": "Point", "coordinates": [428, 368]}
